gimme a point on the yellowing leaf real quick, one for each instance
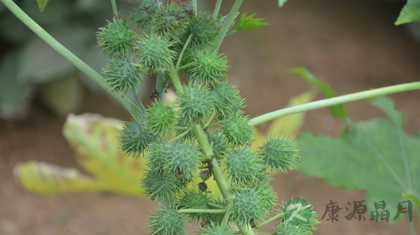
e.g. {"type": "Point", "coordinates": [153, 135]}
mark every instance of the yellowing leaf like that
{"type": "Point", "coordinates": [94, 139]}
{"type": "Point", "coordinates": [289, 125]}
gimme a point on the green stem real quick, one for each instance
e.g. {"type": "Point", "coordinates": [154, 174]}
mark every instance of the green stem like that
{"type": "Point", "coordinates": [231, 32]}
{"type": "Point", "coordinates": [215, 205]}
{"type": "Point", "coordinates": [176, 81]}
{"type": "Point", "coordinates": [214, 124]}
{"type": "Point", "coordinates": [225, 219]}
{"type": "Point", "coordinates": [178, 63]}
{"type": "Point", "coordinates": [181, 135]}
{"type": "Point", "coordinates": [333, 101]}
{"type": "Point", "coordinates": [202, 140]}
{"type": "Point", "coordinates": [210, 119]}
{"type": "Point", "coordinates": [138, 102]}
{"type": "Point", "coordinates": [187, 65]}
{"type": "Point", "coordinates": [208, 211]}
{"type": "Point", "coordinates": [21, 15]}
{"type": "Point", "coordinates": [114, 7]}
{"type": "Point", "coordinates": [229, 21]}
{"type": "Point", "coordinates": [217, 8]}
{"type": "Point", "coordinates": [278, 216]}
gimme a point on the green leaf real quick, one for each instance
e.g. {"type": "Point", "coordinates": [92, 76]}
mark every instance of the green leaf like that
{"type": "Point", "coordinates": [42, 4]}
{"type": "Point", "coordinates": [94, 140]}
{"type": "Point", "coordinates": [376, 155]}
{"type": "Point", "coordinates": [338, 111]}
{"type": "Point", "coordinates": [282, 2]}
{"type": "Point", "coordinates": [409, 13]}
{"type": "Point", "coordinates": [39, 63]}
{"type": "Point", "coordinates": [14, 96]}
{"type": "Point", "coordinates": [248, 22]}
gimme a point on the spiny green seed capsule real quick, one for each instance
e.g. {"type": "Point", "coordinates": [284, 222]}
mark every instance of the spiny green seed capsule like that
{"type": "Point", "coordinates": [244, 168]}
{"type": "Point", "coordinates": [167, 221]}
{"type": "Point", "coordinates": [171, 19]}
{"type": "Point", "coordinates": [227, 101]}
{"type": "Point", "coordinates": [279, 153]}
{"type": "Point", "coordinates": [237, 131]}
{"type": "Point", "coordinates": [290, 229]}
{"type": "Point", "coordinates": [116, 39]}
{"type": "Point", "coordinates": [209, 67]}
{"type": "Point", "coordinates": [205, 29]}
{"type": "Point", "coordinates": [154, 52]}
{"type": "Point", "coordinates": [134, 138]}
{"type": "Point", "coordinates": [160, 186]}
{"type": "Point", "coordinates": [191, 199]}
{"type": "Point", "coordinates": [216, 229]}
{"type": "Point", "coordinates": [157, 155]}
{"type": "Point", "coordinates": [252, 205]}
{"type": "Point", "coordinates": [142, 15]}
{"type": "Point", "coordinates": [160, 119]}
{"type": "Point", "coordinates": [182, 159]}
{"type": "Point", "coordinates": [121, 74]}
{"type": "Point", "coordinates": [195, 102]}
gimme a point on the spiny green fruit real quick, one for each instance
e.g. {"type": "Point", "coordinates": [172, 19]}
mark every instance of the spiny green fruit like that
{"type": "Point", "coordinates": [237, 131]}
{"type": "Point", "coordinates": [116, 39]}
{"type": "Point", "coordinates": [195, 102]}
{"type": "Point", "coordinates": [134, 138]}
{"type": "Point", "coordinates": [227, 100]}
{"type": "Point", "coordinates": [215, 229]}
{"type": "Point", "coordinates": [209, 66]}
{"type": "Point", "coordinates": [143, 14]}
{"type": "Point", "coordinates": [244, 168]}
{"type": "Point", "coordinates": [167, 221]}
{"type": "Point", "coordinates": [157, 155]}
{"type": "Point", "coordinates": [204, 28]}
{"type": "Point", "coordinates": [154, 52]}
{"type": "Point", "coordinates": [253, 204]}
{"type": "Point", "coordinates": [289, 229]}
{"type": "Point", "coordinates": [182, 159]}
{"type": "Point", "coordinates": [162, 187]}
{"type": "Point", "coordinates": [171, 19]}
{"type": "Point", "coordinates": [279, 153]}
{"type": "Point", "coordinates": [121, 74]}
{"type": "Point", "coordinates": [191, 199]}
{"type": "Point", "coordinates": [160, 119]}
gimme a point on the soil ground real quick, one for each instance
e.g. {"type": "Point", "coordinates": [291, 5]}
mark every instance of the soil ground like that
{"type": "Point", "coordinates": [350, 45]}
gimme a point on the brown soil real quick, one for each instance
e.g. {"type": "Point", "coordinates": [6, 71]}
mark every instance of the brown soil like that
{"type": "Point", "coordinates": [350, 45]}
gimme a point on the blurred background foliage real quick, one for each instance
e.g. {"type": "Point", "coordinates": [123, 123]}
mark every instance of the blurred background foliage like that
{"type": "Point", "coordinates": [30, 68]}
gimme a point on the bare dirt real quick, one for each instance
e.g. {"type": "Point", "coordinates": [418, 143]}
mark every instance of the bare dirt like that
{"type": "Point", "coordinates": [350, 45]}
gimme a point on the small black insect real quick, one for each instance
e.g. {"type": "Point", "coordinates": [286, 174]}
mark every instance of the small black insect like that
{"type": "Point", "coordinates": [154, 95]}
{"type": "Point", "coordinates": [252, 223]}
{"type": "Point", "coordinates": [202, 186]}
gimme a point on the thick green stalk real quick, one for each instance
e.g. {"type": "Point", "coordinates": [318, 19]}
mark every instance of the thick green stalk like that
{"type": "Point", "coordinates": [333, 101]}
{"type": "Point", "coordinates": [229, 21]}
{"type": "Point", "coordinates": [21, 15]}
{"type": "Point", "coordinates": [176, 81]}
